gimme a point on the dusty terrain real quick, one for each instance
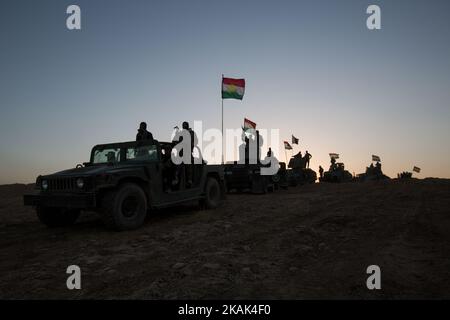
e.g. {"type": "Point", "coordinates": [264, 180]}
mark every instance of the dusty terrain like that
{"type": "Point", "coordinates": [307, 242]}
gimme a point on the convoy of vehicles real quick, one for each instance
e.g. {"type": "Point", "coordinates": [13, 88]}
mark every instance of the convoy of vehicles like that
{"type": "Point", "coordinates": [122, 181]}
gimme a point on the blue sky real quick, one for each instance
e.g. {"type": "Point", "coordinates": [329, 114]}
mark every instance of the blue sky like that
{"type": "Point", "coordinates": [312, 69]}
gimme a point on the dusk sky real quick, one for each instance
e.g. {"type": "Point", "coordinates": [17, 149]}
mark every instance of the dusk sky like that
{"type": "Point", "coordinates": [312, 69]}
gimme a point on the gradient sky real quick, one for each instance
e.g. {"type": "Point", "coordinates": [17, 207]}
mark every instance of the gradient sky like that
{"type": "Point", "coordinates": [312, 68]}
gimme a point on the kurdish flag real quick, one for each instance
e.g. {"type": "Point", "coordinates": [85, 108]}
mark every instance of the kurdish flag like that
{"type": "Point", "coordinates": [287, 146]}
{"type": "Point", "coordinates": [334, 155]}
{"type": "Point", "coordinates": [233, 88]}
{"type": "Point", "coordinates": [248, 125]}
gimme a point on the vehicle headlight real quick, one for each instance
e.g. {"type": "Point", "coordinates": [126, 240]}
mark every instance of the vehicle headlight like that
{"type": "Point", "coordinates": [44, 184]}
{"type": "Point", "coordinates": [80, 183]}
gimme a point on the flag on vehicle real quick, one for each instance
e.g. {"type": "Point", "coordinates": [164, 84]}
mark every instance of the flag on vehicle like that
{"type": "Point", "coordinates": [294, 140]}
{"type": "Point", "coordinates": [375, 158]}
{"type": "Point", "coordinates": [233, 88]}
{"type": "Point", "coordinates": [287, 146]}
{"type": "Point", "coordinates": [416, 169]}
{"type": "Point", "coordinates": [334, 155]}
{"type": "Point", "coordinates": [248, 125]}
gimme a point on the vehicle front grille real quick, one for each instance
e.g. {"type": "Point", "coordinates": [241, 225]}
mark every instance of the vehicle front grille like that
{"type": "Point", "coordinates": [62, 184]}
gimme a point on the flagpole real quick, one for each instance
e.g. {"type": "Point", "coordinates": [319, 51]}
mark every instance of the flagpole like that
{"type": "Point", "coordinates": [222, 122]}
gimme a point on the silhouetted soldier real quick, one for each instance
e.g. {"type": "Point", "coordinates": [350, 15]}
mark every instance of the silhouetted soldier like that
{"type": "Point", "coordinates": [378, 168]}
{"type": "Point", "coordinates": [333, 164]}
{"type": "Point", "coordinates": [143, 134]}
{"type": "Point", "coordinates": [308, 157]}
{"type": "Point", "coordinates": [296, 161]}
{"type": "Point", "coordinates": [271, 160]}
{"type": "Point", "coordinates": [193, 144]}
{"type": "Point", "coordinates": [321, 171]}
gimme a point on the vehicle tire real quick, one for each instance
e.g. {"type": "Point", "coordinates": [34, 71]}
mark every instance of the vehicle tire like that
{"type": "Point", "coordinates": [213, 194]}
{"type": "Point", "coordinates": [57, 217]}
{"type": "Point", "coordinates": [125, 208]}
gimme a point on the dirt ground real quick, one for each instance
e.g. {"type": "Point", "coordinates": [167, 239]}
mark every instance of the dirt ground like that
{"type": "Point", "coordinates": [310, 242]}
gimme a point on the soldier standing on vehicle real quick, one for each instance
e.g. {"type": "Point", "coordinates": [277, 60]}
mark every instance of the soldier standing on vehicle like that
{"type": "Point", "coordinates": [271, 162]}
{"type": "Point", "coordinates": [321, 172]}
{"type": "Point", "coordinates": [186, 131]}
{"type": "Point", "coordinates": [143, 134]}
{"type": "Point", "coordinates": [308, 157]}
{"type": "Point", "coordinates": [378, 168]}
{"type": "Point", "coordinates": [333, 164]}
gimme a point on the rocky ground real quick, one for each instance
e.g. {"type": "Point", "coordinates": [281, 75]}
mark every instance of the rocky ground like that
{"type": "Point", "coordinates": [307, 242]}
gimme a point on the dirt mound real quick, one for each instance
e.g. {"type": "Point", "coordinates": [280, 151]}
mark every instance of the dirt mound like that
{"type": "Point", "coordinates": [314, 241]}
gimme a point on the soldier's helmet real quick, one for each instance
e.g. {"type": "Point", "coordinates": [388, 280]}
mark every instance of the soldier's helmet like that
{"type": "Point", "coordinates": [185, 125]}
{"type": "Point", "coordinates": [143, 126]}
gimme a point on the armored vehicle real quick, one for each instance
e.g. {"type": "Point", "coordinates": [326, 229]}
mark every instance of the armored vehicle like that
{"type": "Point", "coordinates": [280, 180]}
{"type": "Point", "coordinates": [245, 175]}
{"type": "Point", "coordinates": [404, 175]}
{"type": "Point", "coordinates": [372, 173]}
{"type": "Point", "coordinates": [121, 182]}
{"type": "Point", "coordinates": [298, 174]}
{"type": "Point", "coordinates": [337, 173]}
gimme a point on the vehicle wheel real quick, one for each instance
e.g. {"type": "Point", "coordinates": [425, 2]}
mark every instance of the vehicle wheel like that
{"type": "Point", "coordinates": [57, 217]}
{"type": "Point", "coordinates": [124, 209]}
{"type": "Point", "coordinates": [213, 194]}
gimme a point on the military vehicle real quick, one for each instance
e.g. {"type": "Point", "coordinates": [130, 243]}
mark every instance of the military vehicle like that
{"type": "Point", "coordinates": [280, 179]}
{"type": "Point", "coordinates": [121, 182]}
{"type": "Point", "coordinates": [372, 173]}
{"type": "Point", "coordinates": [247, 178]}
{"type": "Point", "coordinates": [245, 175]}
{"type": "Point", "coordinates": [298, 174]}
{"type": "Point", "coordinates": [336, 173]}
{"type": "Point", "coordinates": [404, 175]}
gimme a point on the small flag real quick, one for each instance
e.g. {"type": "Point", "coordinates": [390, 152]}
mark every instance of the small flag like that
{"type": "Point", "coordinates": [334, 155]}
{"type": "Point", "coordinates": [416, 169]}
{"type": "Point", "coordinates": [375, 158]}
{"type": "Point", "coordinates": [287, 146]}
{"type": "Point", "coordinates": [248, 125]}
{"type": "Point", "coordinates": [294, 140]}
{"type": "Point", "coordinates": [233, 88]}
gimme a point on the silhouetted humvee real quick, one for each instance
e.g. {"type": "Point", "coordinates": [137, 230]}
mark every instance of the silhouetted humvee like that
{"type": "Point", "coordinates": [246, 176]}
{"type": "Point", "coordinates": [121, 181]}
{"type": "Point", "coordinates": [404, 175]}
{"type": "Point", "coordinates": [298, 174]}
{"type": "Point", "coordinates": [372, 174]}
{"type": "Point", "coordinates": [337, 173]}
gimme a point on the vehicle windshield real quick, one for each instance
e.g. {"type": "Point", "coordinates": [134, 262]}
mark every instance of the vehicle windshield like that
{"type": "Point", "coordinates": [115, 154]}
{"type": "Point", "coordinates": [106, 155]}
{"type": "Point", "coordinates": [143, 153]}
